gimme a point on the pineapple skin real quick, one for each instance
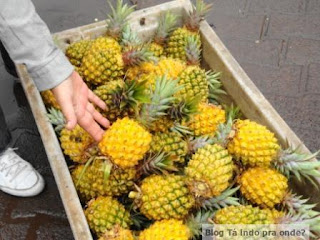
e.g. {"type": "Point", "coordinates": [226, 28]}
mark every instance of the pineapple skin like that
{"type": "Point", "coordinates": [92, 183]}
{"type": "Point", "coordinates": [156, 49]}
{"type": "Point", "coordinates": [105, 93]}
{"type": "Point", "coordinates": [243, 214]}
{"type": "Point", "coordinates": [207, 120]}
{"type": "Point", "coordinates": [76, 143]}
{"type": "Point", "coordinates": [165, 197]}
{"type": "Point", "coordinates": [171, 143]}
{"type": "Point", "coordinates": [49, 99]}
{"type": "Point", "coordinates": [263, 186]}
{"type": "Point", "coordinates": [101, 66]}
{"type": "Point", "coordinates": [195, 83]}
{"type": "Point", "coordinates": [177, 43]}
{"type": "Point", "coordinates": [117, 233]}
{"type": "Point", "coordinates": [161, 125]}
{"type": "Point", "coordinates": [126, 142]}
{"type": "Point", "coordinates": [209, 171]}
{"type": "Point", "coordinates": [105, 43]}
{"type": "Point", "coordinates": [253, 144]}
{"type": "Point", "coordinates": [166, 229]}
{"type": "Point", "coordinates": [77, 50]}
{"type": "Point", "coordinates": [104, 213]}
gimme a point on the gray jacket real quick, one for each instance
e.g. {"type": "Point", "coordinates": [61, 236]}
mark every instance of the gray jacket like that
{"type": "Point", "coordinates": [28, 40]}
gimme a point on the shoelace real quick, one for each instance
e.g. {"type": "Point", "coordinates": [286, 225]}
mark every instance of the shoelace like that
{"type": "Point", "coordinates": [14, 169]}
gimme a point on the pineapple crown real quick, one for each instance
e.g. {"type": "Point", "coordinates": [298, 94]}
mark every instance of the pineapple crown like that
{"type": "Point", "coordinates": [302, 165]}
{"type": "Point", "coordinates": [162, 98]}
{"type": "Point", "coordinates": [193, 50]}
{"type": "Point", "coordinates": [184, 109]}
{"type": "Point", "coordinates": [118, 18]}
{"type": "Point", "coordinates": [197, 15]}
{"type": "Point", "coordinates": [296, 204]}
{"type": "Point", "coordinates": [215, 85]}
{"type": "Point", "coordinates": [131, 94]}
{"type": "Point", "coordinates": [158, 163]}
{"type": "Point", "coordinates": [310, 220]}
{"type": "Point", "coordinates": [56, 118]}
{"type": "Point", "coordinates": [167, 22]}
{"type": "Point", "coordinates": [130, 38]}
{"type": "Point", "coordinates": [225, 130]}
{"type": "Point", "coordinates": [195, 222]}
{"type": "Point", "coordinates": [223, 200]}
{"type": "Point", "coordinates": [194, 143]}
{"type": "Point", "coordinates": [134, 56]}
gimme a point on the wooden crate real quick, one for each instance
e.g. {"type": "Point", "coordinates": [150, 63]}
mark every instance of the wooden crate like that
{"type": "Point", "coordinates": [216, 56]}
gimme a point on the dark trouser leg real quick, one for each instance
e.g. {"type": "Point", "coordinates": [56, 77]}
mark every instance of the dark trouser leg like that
{"type": "Point", "coordinates": [5, 136]}
{"type": "Point", "coordinates": [8, 63]}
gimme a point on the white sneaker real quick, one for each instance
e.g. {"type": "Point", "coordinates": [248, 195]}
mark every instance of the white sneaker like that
{"type": "Point", "coordinates": [18, 177]}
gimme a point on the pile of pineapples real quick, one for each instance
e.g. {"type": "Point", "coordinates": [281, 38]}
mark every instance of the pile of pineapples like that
{"type": "Point", "coordinates": [173, 158]}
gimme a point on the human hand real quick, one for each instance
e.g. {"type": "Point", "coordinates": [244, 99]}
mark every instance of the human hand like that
{"type": "Point", "coordinates": [76, 101]}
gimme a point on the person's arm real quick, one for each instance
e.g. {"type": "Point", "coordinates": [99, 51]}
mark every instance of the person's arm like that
{"type": "Point", "coordinates": [28, 40]}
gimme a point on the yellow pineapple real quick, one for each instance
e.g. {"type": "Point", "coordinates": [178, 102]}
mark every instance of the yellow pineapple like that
{"type": "Point", "coordinates": [126, 142]}
{"type": "Point", "coordinates": [164, 197]}
{"type": "Point", "coordinates": [117, 233]}
{"type": "Point", "coordinates": [171, 143]}
{"type": "Point", "coordinates": [166, 229]}
{"type": "Point", "coordinates": [207, 120]}
{"type": "Point", "coordinates": [263, 186]}
{"type": "Point", "coordinates": [105, 213]}
{"type": "Point", "coordinates": [49, 99]}
{"type": "Point", "coordinates": [75, 51]}
{"type": "Point", "coordinates": [175, 229]}
{"type": "Point", "coordinates": [166, 25]}
{"type": "Point", "coordinates": [104, 43]}
{"type": "Point", "coordinates": [162, 125]}
{"type": "Point", "coordinates": [253, 144]}
{"type": "Point", "coordinates": [76, 143]}
{"type": "Point", "coordinates": [149, 71]}
{"type": "Point", "coordinates": [100, 178]}
{"type": "Point", "coordinates": [209, 171]}
{"type": "Point", "coordinates": [176, 46]}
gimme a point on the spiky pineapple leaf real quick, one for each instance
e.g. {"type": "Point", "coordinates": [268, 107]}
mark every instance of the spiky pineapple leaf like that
{"type": "Point", "coordinates": [292, 161]}
{"type": "Point", "coordinates": [130, 38]}
{"type": "Point", "coordinates": [56, 118]}
{"type": "Point", "coordinates": [167, 22]}
{"type": "Point", "coordinates": [197, 14]}
{"type": "Point", "coordinates": [117, 19]}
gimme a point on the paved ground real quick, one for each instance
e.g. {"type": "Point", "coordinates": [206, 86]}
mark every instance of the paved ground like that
{"type": "Point", "coordinates": [277, 42]}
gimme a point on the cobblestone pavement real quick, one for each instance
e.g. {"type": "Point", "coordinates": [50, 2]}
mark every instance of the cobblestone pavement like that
{"type": "Point", "coordinates": [277, 42]}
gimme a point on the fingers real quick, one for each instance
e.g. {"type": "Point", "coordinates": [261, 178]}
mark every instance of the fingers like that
{"type": "Point", "coordinates": [88, 123]}
{"type": "Point", "coordinates": [96, 100]}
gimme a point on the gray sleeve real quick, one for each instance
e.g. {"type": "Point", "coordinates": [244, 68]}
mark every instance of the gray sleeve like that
{"type": "Point", "coordinates": [28, 40]}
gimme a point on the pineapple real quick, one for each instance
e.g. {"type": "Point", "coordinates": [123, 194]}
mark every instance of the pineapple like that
{"type": "Point", "coordinates": [263, 186]}
{"type": "Point", "coordinates": [176, 46]}
{"type": "Point", "coordinates": [209, 171]}
{"type": "Point", "coordinates": [254, 145]}
{"type": "Point", "coordinates": [127, 140]}
{"type": "Point", "coordinates": [166, 229]}
{"type": "Point", "coordinates": [171, 143]}
{"type": "Point", "coordinates": [175, 229]}
{"type": "Point", "coordinates": [243, 214]}
{"type": "Point", "coordinates": [167, 21]}
{"type": "Point", "coordinates": [76, 143]}
{"type": "Point", "coordinates": [121, 98]}
{"type": "Point", "coordinates": [100, 178]}
{"type": "Point", "coordinates": [162, 125]}
{"type": "Point", "coordinates": [105, 213]}
{"type": "Point", "coordinates": [196, 81]}
{"type": "Point", "coordinates": [104, 43]}
{"type": "Point", "coordinates": [130, 39]}
{"type": "Point", "coordinates": [206, 121]}
{"type": "Point", "coordinates": [49, 99]}
{"type": "Point", "coordinates": [149, 71]}
{"type": "Point", "coordinates": [77, 50]}
{"type": "Point", "coordinates": [164, 197]}
{"type": "Point", "coordinates": [117, 233]}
